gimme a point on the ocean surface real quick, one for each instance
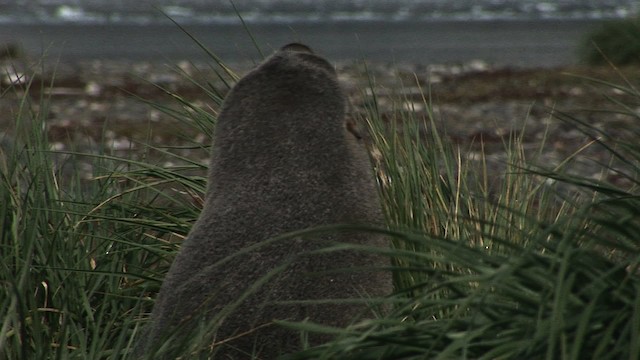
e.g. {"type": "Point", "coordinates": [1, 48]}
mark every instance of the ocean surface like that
{"type": "Point", "coordinates": [292, 11]}
{"type": "Point", "coordinates": [525, 33]}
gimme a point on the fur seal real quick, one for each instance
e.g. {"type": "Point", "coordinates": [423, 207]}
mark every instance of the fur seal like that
{"type": "Point", "coordinates": [283, 159]}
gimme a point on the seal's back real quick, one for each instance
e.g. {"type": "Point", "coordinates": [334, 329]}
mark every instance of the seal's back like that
{"type": "Point", "coordinates": [282, 160]}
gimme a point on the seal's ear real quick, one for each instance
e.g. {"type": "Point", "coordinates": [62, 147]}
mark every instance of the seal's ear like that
{"type": "Point", "coordinates": [353, 128]}
{"type": "Point", "coordinates": [297, 47]}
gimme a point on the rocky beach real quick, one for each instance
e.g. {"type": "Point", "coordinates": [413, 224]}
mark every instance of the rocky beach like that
{"type": "Point", "coordinates": [118, 106]}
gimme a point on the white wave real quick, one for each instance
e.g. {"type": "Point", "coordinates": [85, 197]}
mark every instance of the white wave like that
{"type": "Point", "coordinates": [75, 14]}
{"type": "Point", "coordinates": [292, 11]}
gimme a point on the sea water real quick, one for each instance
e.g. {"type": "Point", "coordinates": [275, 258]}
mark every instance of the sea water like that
{"type": "Point", "coordinates": [500, 32]}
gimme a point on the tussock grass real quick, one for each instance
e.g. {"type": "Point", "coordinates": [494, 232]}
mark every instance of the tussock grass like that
{"type": "Point", "coordinates": [84, 247]}
{"type": "Point", "coordinates": [486, 265]}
